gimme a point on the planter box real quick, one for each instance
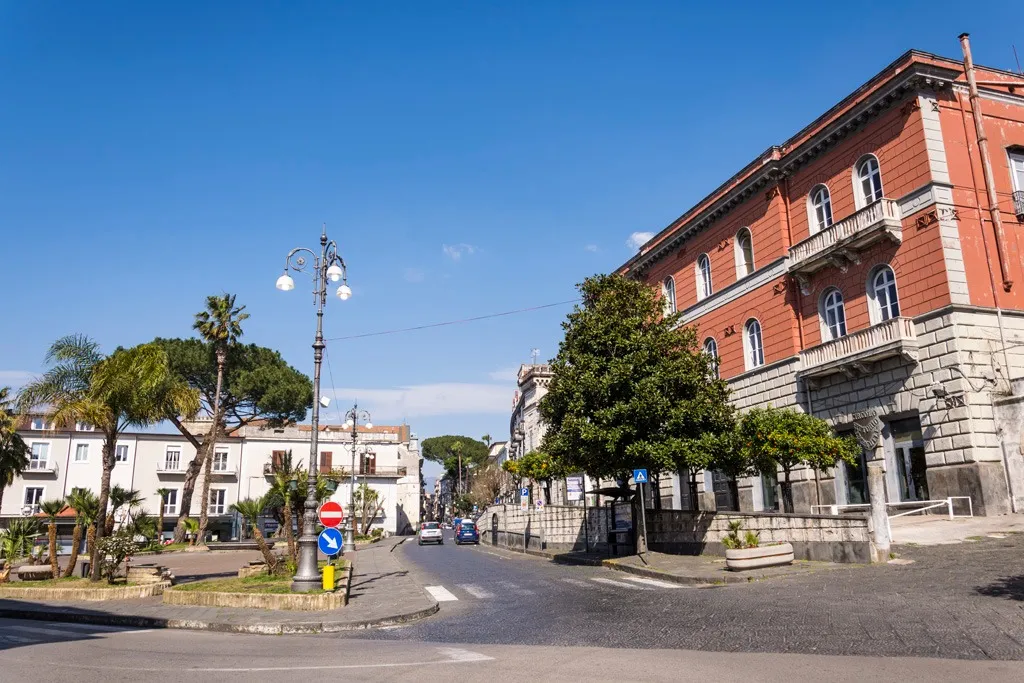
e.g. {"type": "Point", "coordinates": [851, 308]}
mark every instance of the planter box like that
{"type": "Point", "coordinates": [760, 557]}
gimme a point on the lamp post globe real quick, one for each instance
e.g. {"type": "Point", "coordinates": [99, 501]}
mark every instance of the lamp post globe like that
{"type": "Point", "coordinates": [285, 283]}
{"type": "Point", "coordinates": [344, 292]}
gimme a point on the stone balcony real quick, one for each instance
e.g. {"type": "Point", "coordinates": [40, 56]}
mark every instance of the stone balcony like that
{"type": "Point", "coordinates": [842, 243]}
{"type": "Point", "coordinates": [41, 468]}
{"type": "Point", "coordinates": [853, 354]}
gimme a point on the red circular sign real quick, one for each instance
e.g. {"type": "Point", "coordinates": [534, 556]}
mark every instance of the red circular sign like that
{"type": "Point", "coordinates": [331, 514]}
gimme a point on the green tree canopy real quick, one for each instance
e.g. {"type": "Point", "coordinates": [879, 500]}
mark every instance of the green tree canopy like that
{"type": "Point", "coordinates": [774, 438]}
{"type": "Point", "coordinates": [445, 450]}
{"type": "Point", "coordinates": [630, 387]}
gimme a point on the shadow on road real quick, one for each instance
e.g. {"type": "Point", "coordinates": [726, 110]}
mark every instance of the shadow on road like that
{"type": "Point", "coordinates": [1010, 587]}
{"type": "Point", "coordinates": [72, 623]}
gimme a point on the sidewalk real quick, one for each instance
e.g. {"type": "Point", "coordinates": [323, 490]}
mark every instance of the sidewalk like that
{"type": "Point", "coordinates": [381, 594]}
{"type": "Point", "coordinates": [938, 530]}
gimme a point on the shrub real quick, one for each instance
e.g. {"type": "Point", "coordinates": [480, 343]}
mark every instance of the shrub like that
{"type": "Point", "coordinates": [114, 550]}
{"type": "Point", "coordinates": [733, 541]}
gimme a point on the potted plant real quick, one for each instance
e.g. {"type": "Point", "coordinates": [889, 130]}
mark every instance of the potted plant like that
{"type": "Point", "coordinates": [748, 553]}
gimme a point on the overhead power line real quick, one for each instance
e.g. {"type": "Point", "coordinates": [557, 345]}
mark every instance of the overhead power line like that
{"type": "Point", "coordinates": [460, 321]}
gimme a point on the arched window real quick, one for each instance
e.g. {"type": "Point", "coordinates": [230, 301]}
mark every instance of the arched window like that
{"type": "Point", "coordinates": [711, 349]}
{"type": "Point", "coordinates": [833, 314]}
{"type": "Point", "coordinates": [819, 209]}
{"type": "Point", "coordinates": [753, 348]}
{"type": "Point", "coordinates": [668, 291]}
{"type": "Point", "coordinates": [867, 181]}
{"type": "Point", "coordinates": [744, 253]}
{"type": "Point", "coordinates": [885, 302]}
{"type": "Point", "coordinates": [703, 277]}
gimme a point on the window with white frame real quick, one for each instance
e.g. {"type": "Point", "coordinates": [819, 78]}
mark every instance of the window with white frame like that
{"type": "Point", "coordinates": [40, 456]}
{"type": "Point", "coordinates": [220, 461]}
{"type": "Point", "coordinates": [710, 347]}
{"type": "Point", "coordinates": [84, 427]}
{"type": "Point", "coordinates": [833, 314]}
{"type": "Point", "coordinates": [867, 181]}
{"type": "Point", "coordinates": [668, 292]}
{"type": "Point", "coordinates": [82, 452]}
{"type": "Point", "coordinates": [819, 208]}
{"type": "Point", "coordinates": [703, 277]}
{"type": "Point", "coordinates": [885, 302]}
{"type": "Point", "coordinates": [744, 253]}
{"type": "Point", "coordinates": [217, 501]}
{"type": "Point", "coordinates": [40, 424]}
{"type": "Point", "coordinates": [121, 452]}
{"type": "Point", "coordinates": [170, 502]}
{"type": "Point", "coordinates": [1017, 169]}
{"type": "Point", "coordinates": [172, 459]}
{"type": "Point", "coordinates": [753, 347]}
{"type": "Point", "coordinates": [33, 497]}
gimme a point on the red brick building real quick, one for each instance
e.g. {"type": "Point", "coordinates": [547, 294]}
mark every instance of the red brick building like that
{"type": "Point", "coordinates": [855, 272]}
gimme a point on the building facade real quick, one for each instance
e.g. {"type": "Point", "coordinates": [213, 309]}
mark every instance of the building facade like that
{"type": "Point", "coordinates": [856, 272]}
{"type": "Point", "coordinates": [243, 466]}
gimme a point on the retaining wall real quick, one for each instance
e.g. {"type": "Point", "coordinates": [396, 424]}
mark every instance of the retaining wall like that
{"type": "Point", "coordinates": [554, 527]}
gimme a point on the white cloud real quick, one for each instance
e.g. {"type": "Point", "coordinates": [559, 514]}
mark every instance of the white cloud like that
{"type": "Point", "coordinates": [504, 375]}
{"type": "Point", "coordinates": [422, 400]}
{"type": "Point", "coordinates": [592, 248]}
{"type": "Point", "coordinates": [414, 275]}
{"type": "Point", "coordinates": [456, 251]}
{"type": "Point", "coordinates": [638, 239]}
{"type": "Point", "coordinates": [15, 378]}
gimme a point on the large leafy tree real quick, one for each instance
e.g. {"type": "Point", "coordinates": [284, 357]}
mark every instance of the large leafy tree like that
{"type": "Point", "coordinates": [781, 438]}
{"type": "Point", "coordinates": [220, 325]}
{"type": "Point", "coordinates": [14, 452]}
{"type": "Point", "coordinates": [537, 466]}
{"type": "Point", "coordinates": [257, 384]}
{"type": "Point", "coordinates": [129, 388]}
{"type": "Point", "coordinates": [447, 449]}
{"type": "Point", "coordinates": [630, 387]}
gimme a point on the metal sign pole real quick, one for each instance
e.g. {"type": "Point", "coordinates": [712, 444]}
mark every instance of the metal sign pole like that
{"type": "Point", "coordinates": [643, 518]}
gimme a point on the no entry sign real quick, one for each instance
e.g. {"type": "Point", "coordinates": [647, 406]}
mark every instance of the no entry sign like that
{"type": "Point", "coordinates": [330, 514]}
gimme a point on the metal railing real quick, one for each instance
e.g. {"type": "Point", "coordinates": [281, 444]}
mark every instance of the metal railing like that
{"type": "Point", "coordinates": [379, 471]}
{"type": "Point", "coordinates": [171, 467]}
{"type": "Point", "coordinates": [868, 217]}
{"type": "Point", "coordinates": [1018, 204]}
{"type": "Point", "coordinates": [894, 329]}
{"type": "Point", "coordinates": [922, 506]}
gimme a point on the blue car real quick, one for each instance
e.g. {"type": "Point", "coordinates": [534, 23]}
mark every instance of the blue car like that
{"type": "Point", "coordinates": [467, 533]}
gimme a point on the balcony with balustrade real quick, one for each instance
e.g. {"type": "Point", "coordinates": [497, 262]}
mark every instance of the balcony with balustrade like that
{"type": "Point", "coordinates": [40, 469]}
{"type": "Point", "coordinates": [854, 354]}
{"type": "Point", "coordinates": [170, 468]}
{"type": "Point", "coordinates": [842, 243]}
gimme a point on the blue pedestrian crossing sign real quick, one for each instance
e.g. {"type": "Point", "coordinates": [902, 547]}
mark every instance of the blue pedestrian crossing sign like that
{"type": "Point", "coordinates": [640, 476]}
{"type": "Point", "coordinates": [330, 541]}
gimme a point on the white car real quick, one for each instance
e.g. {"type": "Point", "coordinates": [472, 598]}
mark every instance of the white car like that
{"type": "Point", "coordinates": [430, 532]}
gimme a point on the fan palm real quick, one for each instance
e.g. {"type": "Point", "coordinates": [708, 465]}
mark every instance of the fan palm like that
{"type": "Point", "coordinates": [52, 509]}
{"type": "Point", "coordinates": [14, 452]}
{"type": "Point", "coordinates": [280, 490]}
{"type": "Point", "coordinates": [162, 493]}
{"type": "Point", "coordinates": [121, 499]}
{"type": "Point", "coordinates": [85, 504]}
{"type": "Point", "coordinates": [250, 510]}
{"type": "Point", "coordinates": [191, 525]}
{"type": "Point", "coordinates": [16, 541]}
{"type": "Point", "coordinates": [130, 387]}
{"type": "Point", "coordinates": [220, 325]}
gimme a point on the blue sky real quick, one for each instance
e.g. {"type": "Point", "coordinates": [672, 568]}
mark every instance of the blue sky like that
{"type": "Point", "coordinates": [469, 158]}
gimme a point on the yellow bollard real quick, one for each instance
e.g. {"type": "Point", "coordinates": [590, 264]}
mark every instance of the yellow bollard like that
{"type": "Point", "coordinates": [329, 577]}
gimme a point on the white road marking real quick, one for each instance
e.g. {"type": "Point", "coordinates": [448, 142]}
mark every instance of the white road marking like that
{"type": "Point", "coordinates": [652, 582]}
{"type": "Point", "coordinates": [618, 584]}
{"type": "Point", "coordinates": [44, 631]}
{"type": "Point", "coordinates": [577, 582]}
{"type": "Point", "coordinates": [514, 588]}
{"type": "Point", "coordinates": [17, 639]}
{"type": "Point", "coordinates": [441, 594]}
{"type": "Point", "coordinates": [456, 655]}
{"type": "Point", "coordinates": [477, 591]}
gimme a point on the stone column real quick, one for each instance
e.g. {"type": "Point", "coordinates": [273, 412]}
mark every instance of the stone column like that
{"type": "Point", "coordinates": [879, 516]}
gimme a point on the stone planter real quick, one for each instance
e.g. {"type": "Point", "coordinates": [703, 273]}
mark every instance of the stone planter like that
{"type": "Point", "coordinates": [760, 557]}
{"type": "Point", "coordinates": [34, 572]}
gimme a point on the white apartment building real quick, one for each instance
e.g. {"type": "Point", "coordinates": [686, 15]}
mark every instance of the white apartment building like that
{"type": "Point", "coordinates": [65, 457]}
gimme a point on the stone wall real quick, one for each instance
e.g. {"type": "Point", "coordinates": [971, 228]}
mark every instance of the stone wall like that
{"type": "Point", "coordinates": [823, 538]}
{"type": "Point", "coordinates": [555, 527]}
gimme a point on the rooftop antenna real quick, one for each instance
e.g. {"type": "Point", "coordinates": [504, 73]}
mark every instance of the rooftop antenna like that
{"type": "Point", "coordinates": [1017, 59]}
{"type": "Point", "coordinates": [534, 354]}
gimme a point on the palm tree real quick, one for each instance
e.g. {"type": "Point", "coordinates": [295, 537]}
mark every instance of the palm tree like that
{"type": "Point", "coordinates": [191, 525]}
{"type": "Point", "coordinates": [14, 452]}
{"type": "Point", "coordinates": [281, 490]}
{"type": "Point", "coordinates": [16, 541]}
{"type": "Point", "coordinates": [366, 498]}
{"type": "Point", "coordinates": [85, 503]}
{"type": "Point", "coordinates": [219, 325]}
{"type": "Point", "coordinates": [121, 498]}
{"type": "Point", "coordinates": [251, 510]}
{"type": "Point", "coordinates": [162, 492]}
{"type": "Point", "coordinates": [130, 387]}
{"type": "Point", "coordinates": [52, 509]}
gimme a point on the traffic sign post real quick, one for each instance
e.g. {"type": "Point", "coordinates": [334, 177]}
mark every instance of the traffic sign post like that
{"type": "Point", "coordinates": [640, 477]}
{"type": "Point", "coordinates": [524, 506]}
{"type": "Point", "coordinates": [331, 514]}
{"type": "Point", "coordinates": [330, 541]}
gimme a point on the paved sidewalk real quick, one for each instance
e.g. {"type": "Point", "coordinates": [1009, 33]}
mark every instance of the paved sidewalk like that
{"type": "Point", "coordinates": [939, 530]}
{"type": "Point", "coordinates": [381, 594]}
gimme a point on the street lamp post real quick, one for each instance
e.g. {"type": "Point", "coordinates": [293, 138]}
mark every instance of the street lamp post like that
{"type": "Point", "coordinates": [352, 419]}
{"type": "Point", "coordinates": [327, 265]}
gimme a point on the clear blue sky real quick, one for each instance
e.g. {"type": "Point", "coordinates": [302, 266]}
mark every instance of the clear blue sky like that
{"type": "Point", "coordinates": [469, 158]}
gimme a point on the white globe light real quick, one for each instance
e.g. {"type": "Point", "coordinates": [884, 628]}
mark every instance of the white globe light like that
{"type": "Point", "coordinates": [369, 425]}
{"type": "Point", "coordinates": [334, 273]}
{"type": "Point", "coordinates": [285, 283]}
{"type": "Point", "coordinates": [348, 423]}
{"type": "Point", "coordinates": [344, 292]}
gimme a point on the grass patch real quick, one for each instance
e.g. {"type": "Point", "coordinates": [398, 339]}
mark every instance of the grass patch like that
{"type": "Point", "coordinates": [261, 583]}
{"type": "Point", "coordinates": [170, 548]}
{"type": "Point", "coordinates": [70, 582]}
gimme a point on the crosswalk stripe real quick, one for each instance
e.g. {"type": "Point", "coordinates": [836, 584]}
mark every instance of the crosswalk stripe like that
{"type": "Point", "coordinates": [652, 582]}
{"type": "Point", "coordinates": [441, 594]}
{"type": "Point", "coordinates": [620, 584]}
{"type": "Point", "coordinates": [514, 588]}
{"type": "Point", "coordinates": [16, 639]}
{"type": "Point", "coordinates": [477, 591]}
{"type": "Point", "coordinates": [42, 631]}
{"type": "Point", "coordinates": [577, 582]}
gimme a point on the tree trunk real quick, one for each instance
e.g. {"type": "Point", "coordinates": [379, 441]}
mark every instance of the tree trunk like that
{"type": "Point", "coordinates": [109, 442]}
{"type": "Point", "coordinates": [694, 502]}
{"type": "Point", "coordinates": [787, 493]}
{"type": "Point", "coordinates": [286, 512]}
{"type": "Point", "coordinates": [204, 504]}
{"type": "Point", "coordinates": [109, 529]}
{"type": "Point", "coordinates": [160, 523]}
{"type": "Point", "coordinates": [2, 495]}
{"type": "Point", "coordinates": [54, 564]}
{"type": "Point", "coordinates": [188, 487]}
{"type": "Point", "coordinates": [261, 543]}
{"type": "Point", "coordinates": [76, 541]}
{"type": "Point", "coordinates": [90, 541]}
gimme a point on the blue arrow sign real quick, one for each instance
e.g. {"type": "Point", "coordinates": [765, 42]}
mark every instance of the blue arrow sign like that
{"type": "Point", "coordinates": [330, 541]}
{"type": "Point", "coordinates": [524, 492]}
{"type": "Point", "coordinates": [640, 476]}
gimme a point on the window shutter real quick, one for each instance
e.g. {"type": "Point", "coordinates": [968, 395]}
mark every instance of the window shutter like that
{"type": "Point", "coordinates": [325, 462]}
{"type": "Point", "coordinates": [277, 458]}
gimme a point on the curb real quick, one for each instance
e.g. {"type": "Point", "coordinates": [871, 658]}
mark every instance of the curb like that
{"type": "Point", "coordinates": [672, 578]}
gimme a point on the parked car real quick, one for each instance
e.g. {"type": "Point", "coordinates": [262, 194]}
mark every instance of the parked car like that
{"type": "Point", "coordinates": [430, 532]}
{"type": "Point", "coordinates": [467, 533]}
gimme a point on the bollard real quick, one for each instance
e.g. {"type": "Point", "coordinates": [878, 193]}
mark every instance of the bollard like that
{"type": "Point", "coordinates": [328, 577]}
{"type": "Point", "coordinates": [879, 517]}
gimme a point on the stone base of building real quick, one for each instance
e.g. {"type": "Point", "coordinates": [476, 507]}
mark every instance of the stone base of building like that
{"type": "Point", "coordinates": [984, 482]}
